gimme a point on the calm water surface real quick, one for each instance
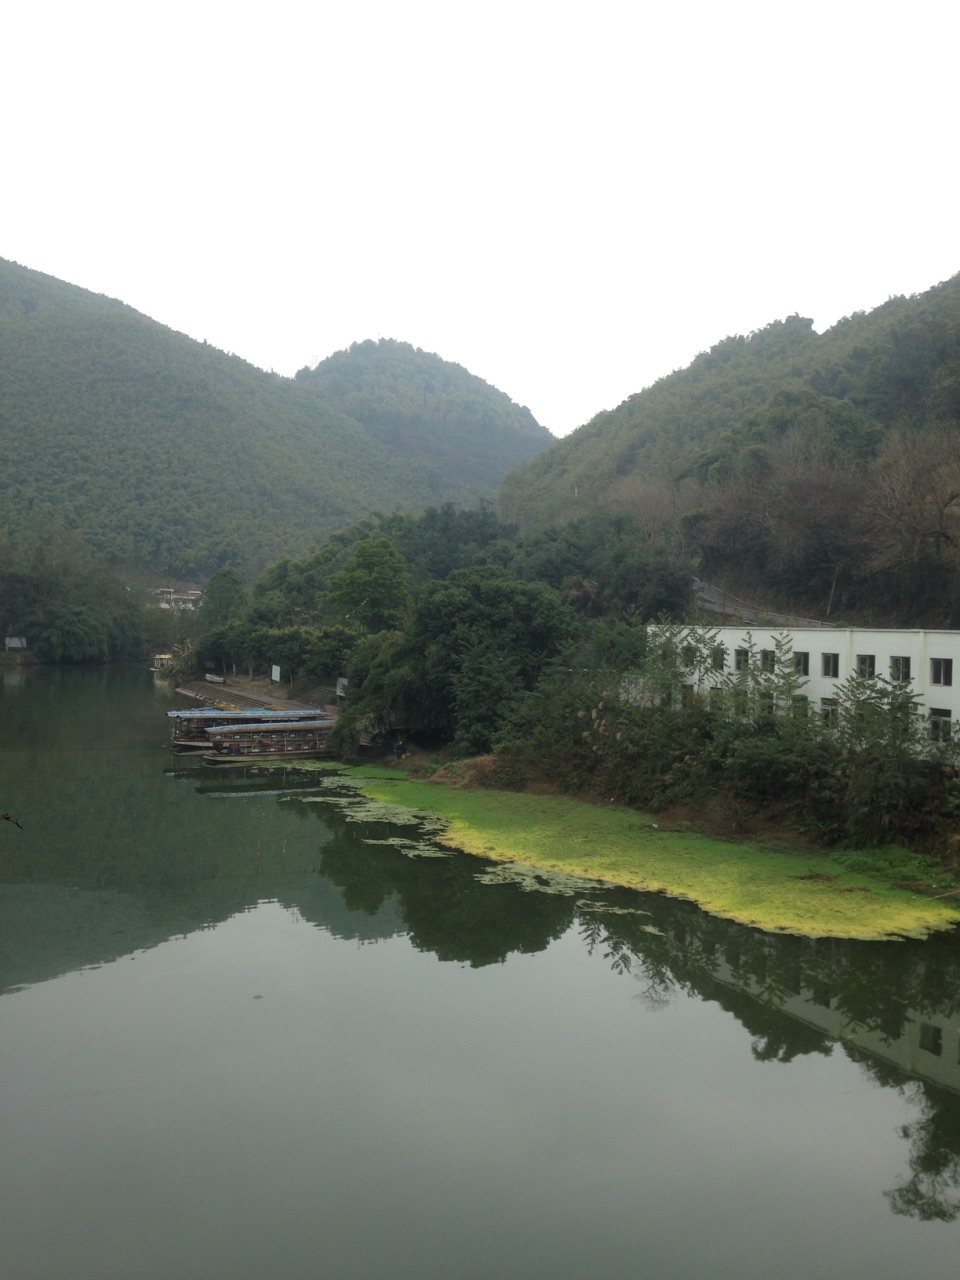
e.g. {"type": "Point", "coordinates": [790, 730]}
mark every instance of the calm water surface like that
{"type": "Point", "coordinates": [244, 1033]}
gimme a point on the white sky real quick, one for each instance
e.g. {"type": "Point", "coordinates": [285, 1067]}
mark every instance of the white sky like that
{"type": "Point", "coordinates": [570, 200]}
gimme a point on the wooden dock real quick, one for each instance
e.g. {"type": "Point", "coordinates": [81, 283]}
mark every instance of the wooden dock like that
{"type": "Point", "coordinates": [233, 699]}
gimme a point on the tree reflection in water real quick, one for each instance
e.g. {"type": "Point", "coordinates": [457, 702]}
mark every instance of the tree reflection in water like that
{"type": "Point", "coordinates": [798, 996]}
{"type": "Point", "coordinates": [794, 996]}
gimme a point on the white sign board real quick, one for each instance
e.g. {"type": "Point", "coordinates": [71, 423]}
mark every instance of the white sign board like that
{"type": "Point", "coordinates": [275, 673]}
{"type": "Point", "coordinates": [341, 686]}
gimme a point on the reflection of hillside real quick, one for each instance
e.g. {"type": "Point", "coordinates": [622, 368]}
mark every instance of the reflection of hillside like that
{"type": "Point", "coordinates": [115, 858]}
{"type": "Point", "coordinates": [48, 929]}
{"type": "Point", "coordinates": [121, 859]}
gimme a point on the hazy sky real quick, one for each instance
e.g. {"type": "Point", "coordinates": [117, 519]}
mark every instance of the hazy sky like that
{"type": "Point", "coordinates": [571, 201]}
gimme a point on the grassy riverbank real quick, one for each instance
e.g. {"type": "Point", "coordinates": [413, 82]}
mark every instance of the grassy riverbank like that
{"type": "Point", "coordinates": [805, 893]}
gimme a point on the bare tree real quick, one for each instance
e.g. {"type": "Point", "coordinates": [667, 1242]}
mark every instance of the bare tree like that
{"type": "Point", "coordinates": [912, 511]}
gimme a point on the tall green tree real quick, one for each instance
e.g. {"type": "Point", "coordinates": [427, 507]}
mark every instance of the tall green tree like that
{"type": "Point", "coordinates": [224, 599]}
{"type": "Point", "coordinates": [372, 589]}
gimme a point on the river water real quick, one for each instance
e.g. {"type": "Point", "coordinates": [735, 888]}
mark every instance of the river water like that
{"type": "Point", "coordinates": [247, 1030]}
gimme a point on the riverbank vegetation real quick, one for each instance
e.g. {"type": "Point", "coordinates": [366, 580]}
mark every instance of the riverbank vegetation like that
{"type": "Point", "coordinates": [465, 637]}
{"type": "Point", "coordinates": [786, 890]}
{"type": "Point", "coordinates": [67, 607]}
{"type": "Point", "coordinates": [747, 745]}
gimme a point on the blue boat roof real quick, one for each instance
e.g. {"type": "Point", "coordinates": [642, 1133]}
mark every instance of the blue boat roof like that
{"type": "Point", "coordinates": [220, 716]}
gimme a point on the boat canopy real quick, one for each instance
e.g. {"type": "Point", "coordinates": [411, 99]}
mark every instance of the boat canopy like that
{"type": "Point", "coordinates": [220, 716]}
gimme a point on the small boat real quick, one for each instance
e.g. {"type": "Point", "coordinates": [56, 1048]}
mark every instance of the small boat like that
{"type": "Point", "coordinates": [282, 740]}
{"type": "Point", "coordinates": [189, 727]}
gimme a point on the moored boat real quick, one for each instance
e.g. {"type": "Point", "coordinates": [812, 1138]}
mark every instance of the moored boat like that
{"type": "Point", "coordinates": [189, 728]}
{"type": "Point", "coordinates": [284, 740]}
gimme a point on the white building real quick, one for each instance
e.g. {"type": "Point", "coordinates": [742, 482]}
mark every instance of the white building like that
{"type": "Point", "coordinates": [826, 657]}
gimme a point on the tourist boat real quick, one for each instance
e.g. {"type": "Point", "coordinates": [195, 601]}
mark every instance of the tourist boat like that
{"type": "Point", "coordinates": [189, 727]}
{"type": "Point", "coordinates": [261, 743]}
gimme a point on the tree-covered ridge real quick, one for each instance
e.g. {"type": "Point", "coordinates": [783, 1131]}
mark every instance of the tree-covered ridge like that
{"type": "Point", "coordinates": [898, 365]}
{"type": "Point", "coordinates": [164, 453]}
{"type": "Point", "coordinates": [429, 410]}
{"type": "Point", "coordinates": [819, 470]}
{"type": "Point", "coordinates": [661, 428]}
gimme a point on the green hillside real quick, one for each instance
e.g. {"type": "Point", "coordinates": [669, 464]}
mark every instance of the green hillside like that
{"type": "Point", "coordinates": [421, 407]}
{"type": "Point", "coordinates": [820, 469]}
{"type": "Point", "coordinates": [162, 453]}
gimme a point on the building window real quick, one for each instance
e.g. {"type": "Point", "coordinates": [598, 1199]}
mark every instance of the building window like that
{"type": "Point", "coordinates": [800, 706]}
{"type": "Point", "coordinates": [866, 666]}
{"type": "Point", "coordinates": [940, 724]}
{"type": "Point", "coordinates": [741, 659]}
{"type": "Point", "coordinates": [768, 659]}
{"type": "Point", "coordinates": [719, 702]}
{"type": "Point", "coordinates": [941, 671]}
{"type": "Point", "coordinates": [791, 981]}
{"type": "Point", "coordinates": [831, 665]}
{"type": "Point", "coordinates": [931, 1038]}
{"type": "Point", "coordinates": [718, 657]}
{"type": "Point", "coordinates": [828, 711]}
{"type": "Point", "coordinates": [900, 669]}
{"type": "Point", "coordinates": [821, 994]}
{"type": "Point", "coordinates": [801, 663]}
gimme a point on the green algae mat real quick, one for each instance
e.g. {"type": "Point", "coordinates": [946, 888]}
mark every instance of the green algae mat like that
{"type": "Point", "coordinates": [812, 895]}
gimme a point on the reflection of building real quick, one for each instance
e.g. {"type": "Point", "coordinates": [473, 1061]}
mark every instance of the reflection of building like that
{"type": "Point", "coordinates": [928, 1046]}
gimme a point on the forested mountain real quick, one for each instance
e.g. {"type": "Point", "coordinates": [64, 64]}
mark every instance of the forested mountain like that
{"type": "Point", "coordinates": [162, 453]}
{"type": "Point", "coordinates": [819, 469]}
{"type": "Point", "coordinates": [424, 408]}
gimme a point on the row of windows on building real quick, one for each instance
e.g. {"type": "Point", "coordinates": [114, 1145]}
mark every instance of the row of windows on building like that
{"type": "Point", "coordinates": [939, 718]}
{"type": "Point", "coordinates": [941, 669]}
{"type": "Point", "coordinates": [941, 673]}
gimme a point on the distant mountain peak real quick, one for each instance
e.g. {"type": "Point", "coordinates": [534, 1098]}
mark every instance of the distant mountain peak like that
{"type": "Point", "coordinates": [164, 453]}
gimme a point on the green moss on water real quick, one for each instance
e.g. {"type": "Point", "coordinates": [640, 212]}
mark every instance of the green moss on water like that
{"type": "Point", "coordinates": [346, 770]}
{"type": "Point", "coordinates": [800, 893]}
